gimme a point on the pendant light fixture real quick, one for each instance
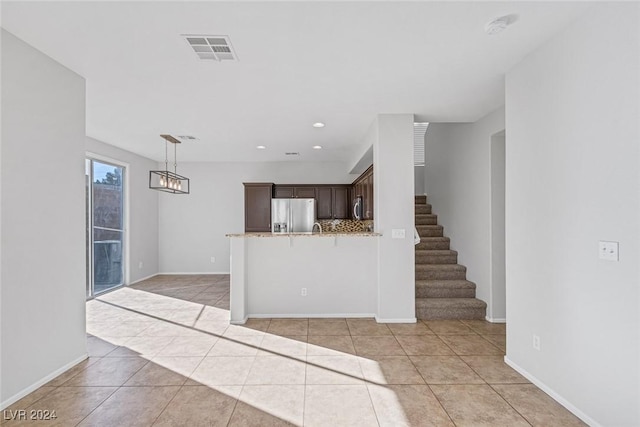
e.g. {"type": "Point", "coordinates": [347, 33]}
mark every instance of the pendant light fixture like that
{"type": "Point", "coordinates": [166, 180]}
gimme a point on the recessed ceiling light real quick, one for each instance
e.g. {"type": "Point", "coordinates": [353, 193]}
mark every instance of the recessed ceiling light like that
{"type": "Point", "coordinates": [318, 125]}
{"type": "Point", "coordinates": [261, 147]}
{"type": "Point", "coordinates": [500, 24]}
{"type": "Point", "coordinates": [317, 147]}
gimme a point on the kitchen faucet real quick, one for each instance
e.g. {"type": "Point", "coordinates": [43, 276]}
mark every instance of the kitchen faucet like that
{"type": "Point", "coordinates": [319, 227]}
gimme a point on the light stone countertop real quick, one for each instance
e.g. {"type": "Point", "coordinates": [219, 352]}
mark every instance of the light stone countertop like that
{"type": "Point", "coordinates": [328, 234]}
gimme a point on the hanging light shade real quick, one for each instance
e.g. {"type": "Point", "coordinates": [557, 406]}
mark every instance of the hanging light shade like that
{"type": "Point", "coordinates": [166, 180]}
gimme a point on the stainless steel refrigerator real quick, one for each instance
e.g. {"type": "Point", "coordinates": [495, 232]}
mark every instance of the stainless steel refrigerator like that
{"type": "Point", "coordinates": [293, 215]}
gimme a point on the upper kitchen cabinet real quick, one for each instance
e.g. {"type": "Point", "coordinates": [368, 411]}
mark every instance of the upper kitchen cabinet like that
{"type": "Point", "coordinates": [341, 203]}
{"type": "Point", "coordinates": [304, 192]}
{"type": "Point", "coordinates": [333, 202]}
{"type": "Point", "coordinates": [363, 186]}
{"type": "Point", "coordinates": [325, 202]}
{"type": "Point", "coordinates": [297, 191]}
{"type": "Point", "coordinates": [257, 207]}
{"type": "Point", "coordinates": [283, 192]}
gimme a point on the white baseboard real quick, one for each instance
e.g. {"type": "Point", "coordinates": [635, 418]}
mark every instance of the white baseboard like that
{"type": "Point", "coordinates": [238, 322]}
{"type": "Point", "coordinates": [144, 278]}
{"type": "Point", "coordinates": [409, 320]}
{"type": "Point", "coordinates": [496, 320]}
{"type": "Point", "coordinates": [310, 316]}
{"type": "Point", "coordinates": [555, 396]}
{"type": "Point", "coordinates": [192, 273]}
{"type": "Point", "coordinates": [41, 382]}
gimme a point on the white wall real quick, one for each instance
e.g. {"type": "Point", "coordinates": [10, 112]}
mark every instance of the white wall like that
{"type": "Point", "coordinates": [192, 227]}
{"type": "Point", "coordinates": [279, 267]}
{"type": "Point", "coordinates": [43, 225]}
{"type": "Point", "coordinates": [418, 180]}
{"type": "Point", "coordinates": [497, 291]}
{"type": "Point", "coordinates": [394, 209]}
{"type": "Point", "coordinates": [458, 185]}
{"type": "Point", "coordinates": [143, 209]}
{"type": "Point", "coordinates": [572, 177]}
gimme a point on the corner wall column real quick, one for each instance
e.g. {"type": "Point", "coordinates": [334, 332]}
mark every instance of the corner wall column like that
{"type": "Point", "coordinates": [393, 177]}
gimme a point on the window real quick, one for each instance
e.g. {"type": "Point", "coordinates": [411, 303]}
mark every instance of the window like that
{"type": "Point", "coordinates": [105, 204]}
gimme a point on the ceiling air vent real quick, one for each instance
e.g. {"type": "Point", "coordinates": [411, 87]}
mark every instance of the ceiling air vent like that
{"type": "Point", "coordinates": [217, 48]}
{"type": "Point", "coordinates": [291, 153]}
{"type": "Point", "coordinates": [187, 137]}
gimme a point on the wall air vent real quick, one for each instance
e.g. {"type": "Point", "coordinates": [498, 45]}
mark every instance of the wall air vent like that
{"type": "Point", "coordinates": [216, 48]}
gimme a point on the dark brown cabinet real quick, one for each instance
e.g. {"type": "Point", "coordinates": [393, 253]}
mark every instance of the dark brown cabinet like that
{"type": "Point", "coordinates": [341, 203]}
{"type": "Point", "coordinates": [257, 207]}
{"type": "Point", "coordinates": [363, 186]}
{"type": "Point", "coordinates": [291, 191]}
{"type": "Point", "coordinates": [304, 192]}
{"type": "Point", "coordinates": [283, 192]}
{"type": "Point", "coordinates": [324, 202]}
{"type": "Point", "coordinates": [368, 199]}
{"type": "Point", "coordinates": [332, 201]}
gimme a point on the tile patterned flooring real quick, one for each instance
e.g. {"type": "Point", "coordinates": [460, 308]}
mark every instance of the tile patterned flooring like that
{"type": "Point", "coordinates": [162, 353]}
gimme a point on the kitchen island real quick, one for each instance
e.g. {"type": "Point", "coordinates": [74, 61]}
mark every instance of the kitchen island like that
{"type": "Point", "coordinates": [303, 275]}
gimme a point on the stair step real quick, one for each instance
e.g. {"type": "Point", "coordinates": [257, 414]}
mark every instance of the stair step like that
{"type": "Point", "coordinates": [430, 230]}
{"type": "Point", "coordinates": [436, 257]}
{"type": "Point", "coordinates": [450, 308]}
{"type": "Point", "coordinates": [426, 219]}
{"type": "Point", "coordinates": [423, 208]}
{"type": "Point", "coordinates": [441, 271]}
{"type": "Point", "coordinates": [421, 199]}
{"type": "Point", "coordinates": [445, 289]}
{"type": "Point", "coordinates": [433, 243]}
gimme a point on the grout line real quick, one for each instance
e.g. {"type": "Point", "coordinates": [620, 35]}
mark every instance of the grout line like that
{"type": "Point", "coordinates": [509, 403]}
{"type": "Point", "coordinates": [167, 405]}
{"type": "Point", "coordinates": [98, 405]}
{"type": "Point", "coordinates": [373, 406]}
{"type": "Point", "coordinates": [441, 405]}
{"type": "Point", "coordinates": [235, 405]}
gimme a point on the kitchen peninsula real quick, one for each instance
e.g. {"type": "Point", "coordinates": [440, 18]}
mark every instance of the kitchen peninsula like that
{"type": "Point", "coordinates": [303, 275]}
{"type": "Point", "coordinates": [277, 272]}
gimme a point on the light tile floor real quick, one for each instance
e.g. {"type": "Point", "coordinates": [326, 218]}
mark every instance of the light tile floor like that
{"type": "Point", "coordinates": [162, 353]}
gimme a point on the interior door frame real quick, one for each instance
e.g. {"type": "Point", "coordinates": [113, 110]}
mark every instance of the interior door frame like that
{"type": "Point", "coordinates": [125, 220]}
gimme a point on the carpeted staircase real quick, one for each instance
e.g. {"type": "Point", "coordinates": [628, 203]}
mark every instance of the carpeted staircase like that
{"type": "Point", "coordinates": [442, 290]}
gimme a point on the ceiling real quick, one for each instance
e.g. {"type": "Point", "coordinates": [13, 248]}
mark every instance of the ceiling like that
{"type": "Point", "coordinates": [299, 62]}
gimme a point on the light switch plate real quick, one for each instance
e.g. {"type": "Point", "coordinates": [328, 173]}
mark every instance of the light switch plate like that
{"type": "Point", "coordinates": [608, 250]}
{"type": "Point", "coordinates": [397, 233]}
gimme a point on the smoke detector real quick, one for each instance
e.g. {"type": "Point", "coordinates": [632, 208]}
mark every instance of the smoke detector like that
{"type": "Point", "coordinates": [216, 48]}
{"type": "Point", "coordinates": [500, 24]}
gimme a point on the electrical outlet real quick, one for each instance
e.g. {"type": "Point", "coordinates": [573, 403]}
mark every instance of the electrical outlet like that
{"type": "Point", "coordinates": [608, 250]}
{"type": "Point", "coordinates": [303, 292]}
{"type": "Point", "coordinates": [140, 264]}
{"type": "Point", "coordinates": [536, 342]}
{"type": "Point", "coordinates": [213, 259]}
{"type": "Point", "coordinates": [397, 233]}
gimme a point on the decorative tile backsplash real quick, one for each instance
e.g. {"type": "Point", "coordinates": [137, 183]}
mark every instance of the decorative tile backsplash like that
{"type": "Point", "coordinates": [345, 225]}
